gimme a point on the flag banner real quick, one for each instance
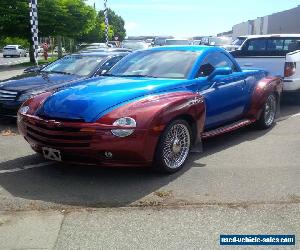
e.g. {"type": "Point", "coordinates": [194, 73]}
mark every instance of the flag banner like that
{"type": "Point", "coordinates": [106, 21]}
{"type": "Point", "coordinates": [34, 27]}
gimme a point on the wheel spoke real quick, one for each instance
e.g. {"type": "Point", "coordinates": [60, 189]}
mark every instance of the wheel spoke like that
{"type": "Point", "coordinates": [270, 110]}
{"type": "Point", "coordinates": [176, 146]}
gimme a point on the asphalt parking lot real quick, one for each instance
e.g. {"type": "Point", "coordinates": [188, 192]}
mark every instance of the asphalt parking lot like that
{"type": "Point", "coordinates": [243, 182]}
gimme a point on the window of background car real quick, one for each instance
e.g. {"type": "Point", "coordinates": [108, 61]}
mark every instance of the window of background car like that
{"type": "Point", "coordinates": [257, 45]}
{"type": "Point", "coordinates": [134, 45]}
{"type": "Point", "coordinates": [10, 48]}
{"type": "Point", "coordinates": [161, 64]}
{"type": "Point", "coordinates": [271, 46]}
{"type": "Point", "coordinates": [217, 41]}
{"type": "Point", "coordinates": [239, 41]}
{"type": "Point", "coordinates": [108, 64]}
{"type": "Point", "coordinates": [213, 61]}
{"type": "Point", "coordinates": [177, 42]}
{"type": "Point", "coordinates": [275, 44]}
{"type": "Point", "coordinates": [291, 44]}
{"type": "Point", "coordinates": [75, 65]}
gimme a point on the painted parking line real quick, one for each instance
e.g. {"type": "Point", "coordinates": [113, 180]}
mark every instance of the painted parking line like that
{"type": "Point", "coordinates": [295, 115]}
{"type": "Point", "coordinates": [282, 118]}
{"type": "Point", "coordinates": [5, 171]}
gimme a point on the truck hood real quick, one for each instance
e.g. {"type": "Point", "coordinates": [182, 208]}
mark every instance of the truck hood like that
{"type": "Point", "coordinates": [36, 81]}
{"type": "Point", "coordinates": [90, 99]}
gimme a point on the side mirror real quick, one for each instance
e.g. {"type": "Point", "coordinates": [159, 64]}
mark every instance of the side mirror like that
{"type": "Point", "coordinates": [222, 71]}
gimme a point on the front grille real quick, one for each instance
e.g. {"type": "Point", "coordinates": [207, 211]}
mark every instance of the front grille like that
{"type": "Point", "coordinates": [7, 95]}
{"type": "Point", "coordinates": [60, 137]}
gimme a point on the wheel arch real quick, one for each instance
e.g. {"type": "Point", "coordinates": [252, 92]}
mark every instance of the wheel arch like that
{"type": "Point", "coordinates": [191, 121]}
{"type": "Point", "coordinates": [262, 90]}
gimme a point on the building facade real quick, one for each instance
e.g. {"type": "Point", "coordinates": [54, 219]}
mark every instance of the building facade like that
{"type": "Point", "coordinates": [284, 22]}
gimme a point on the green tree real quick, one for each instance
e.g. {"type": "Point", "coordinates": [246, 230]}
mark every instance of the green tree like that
{"type": "Point", "coordinates": [56, 17]}
{"type": "Point", "coordinates": [14, 40]}
{"type": "Point", "coordinates": [116, 22]}
{"type": "Point", "coordinates": [65, 17]}
{"type": "Point", "coordinates": [97, 34]}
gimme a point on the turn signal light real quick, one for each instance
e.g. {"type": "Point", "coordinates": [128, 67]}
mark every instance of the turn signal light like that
{"type": "Point", "coordinates": [289, 69]}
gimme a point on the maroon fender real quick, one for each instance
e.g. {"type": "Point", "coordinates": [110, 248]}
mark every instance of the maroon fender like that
{"type": "Point", "coordinates": [35, 102]}
{"type": "Point", "coordinates": [153, 113]}
{"type": "Point", "coordinates": [262, 90]}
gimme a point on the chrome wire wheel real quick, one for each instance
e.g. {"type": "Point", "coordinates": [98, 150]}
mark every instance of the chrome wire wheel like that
{"type": "Point", "coordinates": [270, 110]}
{"type": "Point", "coordinates": [176, 146]}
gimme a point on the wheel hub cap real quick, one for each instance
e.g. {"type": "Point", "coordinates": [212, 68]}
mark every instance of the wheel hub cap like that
{"type": "Point", "coordinates": [176, 146]}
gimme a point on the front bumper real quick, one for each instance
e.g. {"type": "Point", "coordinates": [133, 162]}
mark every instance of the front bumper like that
{"type": "Point", "coordinates": [291, 85]}
{"type": "Point", "coordinates": [88, 143]}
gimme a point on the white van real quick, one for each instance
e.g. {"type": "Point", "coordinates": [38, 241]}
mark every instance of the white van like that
{"type": "Point", "coordinates": [278, 54]}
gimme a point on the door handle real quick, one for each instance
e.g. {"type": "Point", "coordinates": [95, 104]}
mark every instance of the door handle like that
{"type": "Point", "coordinates": [248, 64]}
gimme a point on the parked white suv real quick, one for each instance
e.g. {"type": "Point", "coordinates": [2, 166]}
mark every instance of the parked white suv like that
{"type": "Point", "coordinates": [278, 54]}
{"type": "Point", "coordinates": [14, 50]}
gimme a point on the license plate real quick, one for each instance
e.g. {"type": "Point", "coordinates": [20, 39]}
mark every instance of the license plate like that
{"type": "Point", "coordinates": [51, 154]}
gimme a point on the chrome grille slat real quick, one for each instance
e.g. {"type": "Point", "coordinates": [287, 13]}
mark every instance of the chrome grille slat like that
{"type": "Point", "coordinates": [8, 92]}
{"type": "Point", "coordinates": [4, 96]}
{"type": "Point", "coordinates": [7, 95]}
{"type": "Point", "coordinates": [61, 137]}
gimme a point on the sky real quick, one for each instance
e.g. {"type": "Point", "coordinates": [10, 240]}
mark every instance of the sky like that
{"type": "Point", "coordinates": [187, 18]}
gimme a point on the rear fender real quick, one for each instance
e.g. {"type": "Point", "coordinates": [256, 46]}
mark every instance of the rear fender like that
{"type": "Point", "coordinates": [262, 90]}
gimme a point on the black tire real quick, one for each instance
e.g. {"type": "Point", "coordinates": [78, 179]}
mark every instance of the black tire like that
{"type": "Point", "coordinates": [168, 143]}
{"type": "Point", "coordinates": [4, 56]}
{"type": "Point", "coordinates": [268, 115]}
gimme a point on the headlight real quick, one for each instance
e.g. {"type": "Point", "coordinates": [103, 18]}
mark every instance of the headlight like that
{"type": "Point", "coordinates": [27, 96]}
{"type": "Point", "coordinates": [124, 122]}
{"type": "Point", "coordinates": [23, 110]}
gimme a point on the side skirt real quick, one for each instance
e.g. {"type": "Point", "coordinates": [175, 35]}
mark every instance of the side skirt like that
{"type": "Point", "coordinates": [227, 128]}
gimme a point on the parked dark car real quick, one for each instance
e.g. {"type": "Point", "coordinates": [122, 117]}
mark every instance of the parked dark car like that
{"type": "Point", "coordinates": [16, 90]}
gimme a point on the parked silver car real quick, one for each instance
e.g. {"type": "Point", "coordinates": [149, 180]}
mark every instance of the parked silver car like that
{"type": "Point", "coordinates": [14, 50]}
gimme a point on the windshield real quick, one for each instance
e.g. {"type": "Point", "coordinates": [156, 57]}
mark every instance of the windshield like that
{"type": "Point", "coordinates": [217, 41]}
{"type": "Point", "coordinates": [177, 42]}
{"type": "Point", "coordinates": [239, 41]}
{"type": "Point", "coordinates": [161, 64]}
{"type": "Point", "coordinates": [75, 65]}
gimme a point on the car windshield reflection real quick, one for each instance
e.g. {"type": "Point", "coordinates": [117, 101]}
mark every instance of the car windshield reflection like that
{"type": "Point", "coordinates": [74, 65]}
